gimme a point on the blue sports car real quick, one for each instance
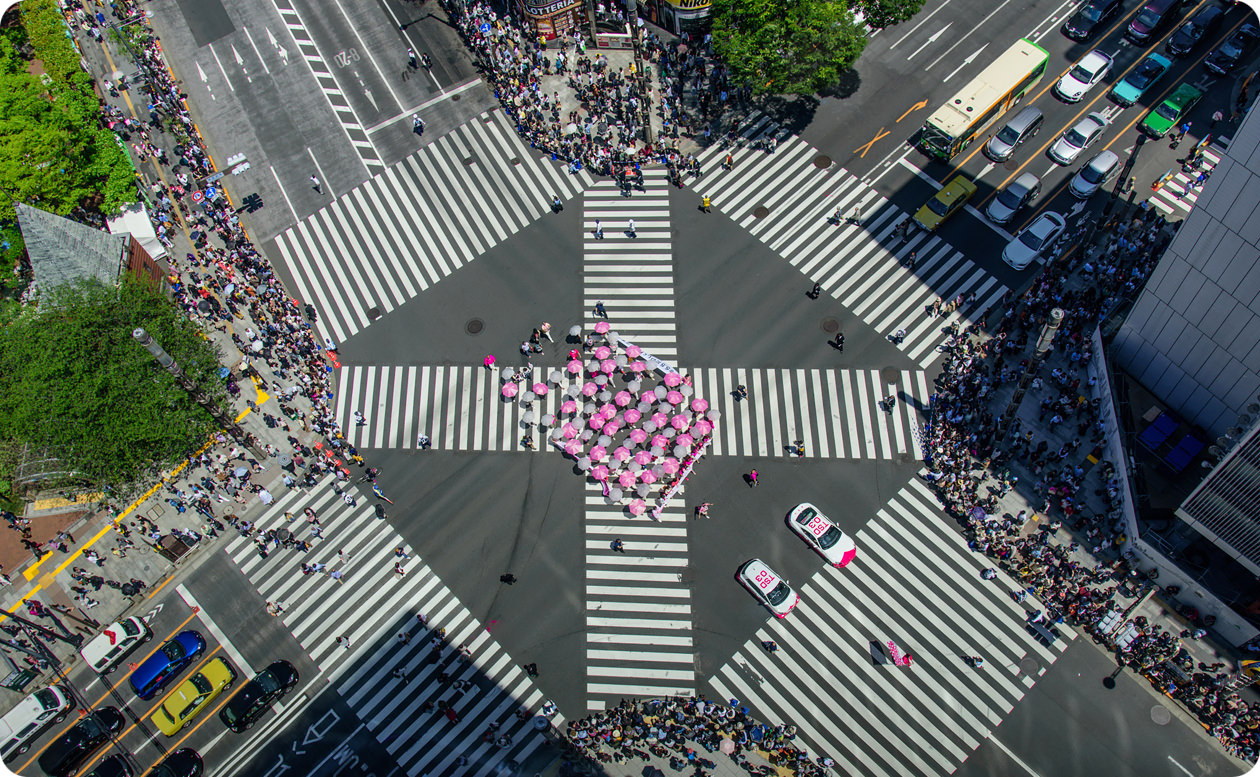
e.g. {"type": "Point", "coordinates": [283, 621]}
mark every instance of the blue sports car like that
{"type": "Point", "coordinates": [1139, 79]}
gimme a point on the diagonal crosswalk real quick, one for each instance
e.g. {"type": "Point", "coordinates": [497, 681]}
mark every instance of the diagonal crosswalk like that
{"type": "Point", "coordinates": [837, 413]}
{"type": "Point", "coordinates": [372, 605]}
{"type": "Point", "coordinates": [385, 241]}
{"type": "Point", "coordinates": [1181, 193]}
{"type": "Point", "coordinates": [913, 582]}
{"type": "Point", "coordinates": [788, 200]}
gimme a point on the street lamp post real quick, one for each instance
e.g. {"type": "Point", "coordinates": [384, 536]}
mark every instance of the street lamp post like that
{"type": "Point", "coordinates": [201, 397]}
{"type": "Point", "coordinates": [645, 105]}
{"type": "Point", "coordinates": [1034, 363]}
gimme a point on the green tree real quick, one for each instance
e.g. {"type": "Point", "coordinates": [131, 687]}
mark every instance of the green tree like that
{"type": "Point", "coordinates": [74, 381]}
{"type": "Point", "coordinates": [886, 13]}
{"type": "Point", "coordinates": [786, 46]}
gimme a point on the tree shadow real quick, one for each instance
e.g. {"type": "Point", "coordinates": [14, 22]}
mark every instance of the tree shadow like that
{"type": "Point", "coordinates": [845, 86]}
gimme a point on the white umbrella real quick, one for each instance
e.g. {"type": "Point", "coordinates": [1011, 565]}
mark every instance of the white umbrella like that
{"type": "Point", "coordinates": [584, 463]}
{"type": "Point", "coordinates": [649, 426]}
{"type": "Point", "coordinates": [686, 390]}
{"type": "Point", "coordinates": [605, 396]}
{"type": "Point", "coordinates": [575, 330]}
{"type": "Point", "coordinates": [660, 392]}
{"type": "Point", "coordinates": [613, 337]}
{"type": "Point", "coordinates": [600, 380]}
{"type": "Point", "coordinates": [633, 386]}
{"type": "Point", "coordinates": [528, 397]}
{"type": "Point", "coordinates": [529, 416]}
{"type": "Point", "coordinates": [604, 441]}
{"type": "Point", "coordinates": [643, 489]}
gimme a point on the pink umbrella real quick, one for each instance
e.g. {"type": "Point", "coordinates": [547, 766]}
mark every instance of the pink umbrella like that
{"type": "Point", "coordinates": [568, 406]}
{"type": "Point", "coordinates": [699, 405]}
{"type": "Point", "coordinates": [599, 472]}
{"type": "Point", "coordinates": [646, 476]}
{"type": "Point", "coordinates": [599, 453]}
{"type": "Point", "coordinates": [702, 428]}
{"type": "Point", "coordinates": [608, 365]}
{"type": "Point", "coordinates": [648, 397]}
{"type": "Point", "coordinates": [626, 479]}
{"type": "Point", "coordinates": [574, 367]}
{"type": "Point", "coordinates": [540, 389]}
{"type": "Point", "coordinates": [569, 430]}
{"type": "Point", "coordinates": [611, 428]}
{"type": "Point", "coordinates": [623, 398]}
{"type": "Point", "coordinates": [633, 351]}
{"type": "Point", "coordinates": [607, 411]}
{"type": "Point", "coordinates": [621, 454]}
{"type": "Point", "coordinates": [637, 366]}
{"type": "Point", "coordinates": [637, 436]}
{"type": "Point", "coordinates": [638, 507]}
{"type": "Point", "coordinates": [643, 457]}
{"type": "Point", "coordinates": [597, 422]}
{"type": "Point", "coordinates": [633, 416]}
{"type": "Point", "coordinates": [671, 465]}
{"type": "Point", "coordinates": [510, 389]}
{"type": "Point", "coordinates": [589, 389]}
{"type": "Point", "coordinates": [672, 379]}
{"type": "Point", "coordinates": [659, 419]}
{"type": "Point", "coordinates": [603, 352]}
{"type": "Point", "coordinates": [674, 397]}
{"type": "Point", "coordinates": [602, 327]}
{"type": "Point", "coordinates": [572, 447]}
{"type": "Point", "coordinates": [684, 439]}
{"type": "Point", "coordinates": [660, 441]}
{"type": "Point", "coordinates": [679, 422]}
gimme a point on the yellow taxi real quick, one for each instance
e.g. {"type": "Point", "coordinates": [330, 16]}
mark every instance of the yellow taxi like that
{"type": "Point", "coordinates": [945, 203]}
{"type": "Point", "coordinates": [193, 695]}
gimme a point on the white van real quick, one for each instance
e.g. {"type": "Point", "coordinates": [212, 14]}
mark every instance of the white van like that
{"type": "Point", "coordinates": [20, 725]}
{"type": "Point", "coordinates": [108, 649]}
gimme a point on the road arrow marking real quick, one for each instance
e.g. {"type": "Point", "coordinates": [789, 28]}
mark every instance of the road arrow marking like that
{"type": "Point", "coordinates": [935, 36]}
{"type": "Point", "coordinates": [965, 62]}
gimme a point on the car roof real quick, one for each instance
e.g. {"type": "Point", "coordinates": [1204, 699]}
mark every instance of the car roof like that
{"type": "Point", "coordinates": [1103, 160]}
{"type": "Point", "coordinates": [1024, 181]}
{"type": "Point", "coordinates": [756, 566]}
{"type": "Point", "coordinates": [956, 186]}
{"type": "Point", "coordinates": [1095, 59]}
{"type": "Point", "coordinates": [1184, 93]}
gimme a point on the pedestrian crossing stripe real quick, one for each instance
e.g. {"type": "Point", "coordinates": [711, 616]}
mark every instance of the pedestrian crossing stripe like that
{"type": "Point", "coordinates": [371, 605]}
{"type": "Point", "coordinates": [1178, 193]}
{"type": "Point", "coordinates": [632, 276]}
{"type": "Point", "coordinates": [785, 200]}
{"type": "Point", "coordinates": [638, 604]}
{"type": "Point", "coordinates": [836, 412]}
{"type": "Point", "coordinates": [915, 582]}
{"type": "Point", "coordinates": [380, 244]}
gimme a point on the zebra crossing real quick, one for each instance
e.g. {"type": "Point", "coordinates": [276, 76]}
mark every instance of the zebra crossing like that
{"type": "Point", "coordinates": [371, 605]}
{"type": "Point", "coordinates": [385, 241]}
{"type": "Point", "coordinates": [913, 582]}
{"type": "Point", "coordinates": [1180, 193]}
{"type": "Point", "coordinates": [836, 413]}
{"type": "Point", "coordinates": [789, 200]}
{"type": "Point", "coordinates": [638, 604]}
{"type": "Point", "coordinates": [632, 276]}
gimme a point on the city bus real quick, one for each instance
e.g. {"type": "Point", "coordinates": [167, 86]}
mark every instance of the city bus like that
{"type": "Point", "coordinates": [989, 95]}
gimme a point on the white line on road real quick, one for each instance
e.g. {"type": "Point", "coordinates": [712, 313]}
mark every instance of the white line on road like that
{"type": "Point", "coordinates": [257, 53]}
{"type": "Point", "coordinates": [215, 54]}
{"type": "Point", "coordinates": [368, 52]}
{"type": "Point", "coordinates": [1179, 766]}
{"type": "Point", "coordinates": [284, 194]}
{"type": "Point", "coordinates": [912, 167]}
{"type": "Point", "coordinates": [214, 629]}
{"type": "Point", "coordinates": [934, 37]}
{"type": "Point", "coordinates": [1012, 756]}
{"type": "Point", "coordinates": [323, 179]}
{"type": "Point", "coordinates": [967, 34]}
{"type": "Point", "coordinates": [464, 87]}
{"type": "Point", "coordinates": [922, 21]}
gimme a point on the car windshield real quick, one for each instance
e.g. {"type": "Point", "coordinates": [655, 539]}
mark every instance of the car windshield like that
{"type": "Point", "coordinates": [173, 650]}
{"type": "Point", "coordinates": [829, 538]}
{"type": "Point", "coordinates": [202, 685]}
{"type": "Point", "coordinates": [1008, 135]}
{"type": "Point", "coordinates": [806, 516]}
{"type": "Point", "coordinates": [1191, 30]}
{"type": "Point", "coordinates": [1092, 174]}
{"type": "Point", "coordinates": [1167, 110]}
{"type": "Point", "coordinates": [229, 710]}
{"type": "Point", "coordinates": [1082, 74]}
{"type": "Point", "coordinates": [1033, 241]}
{"type": "Point", "coordinates": [938, 207]}
{"type": "Point", "coordinates": [1091, 13]}
{"type": "Point", "coordinates": [1230, 49]}
{"type": "Point", "coordinates": [1141, 78]}
{"type": "Point", "coordinates": [46, 698]}
{"type": "Point", "coordinates": [1011, 198]}
{"type": "Point", "coordinates": [1074, 137]}
{"type": "Point", "coordinates": [1148, 18]}
{"type": "Point", "coordinates": [779, 594]}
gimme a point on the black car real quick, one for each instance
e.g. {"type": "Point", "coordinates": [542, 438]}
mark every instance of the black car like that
{"type": "Point", "coordinates": [1199, 26]}
{"type": "Point", "coordinates": [256, 696]}
{"type": "Point", "coordinates": [112, 766]}
{"type": "Point", "coordinates": [1090, 17]}
{"type": "Point", "coordinates": [184, 762]}
{"type": "Point", "coordinates": [1239, 46]}
{"type": "Point", "coordinates": [64, 756]}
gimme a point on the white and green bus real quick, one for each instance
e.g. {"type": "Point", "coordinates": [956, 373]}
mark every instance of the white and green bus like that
{"type": "Point", "coordinates": [989, 95]}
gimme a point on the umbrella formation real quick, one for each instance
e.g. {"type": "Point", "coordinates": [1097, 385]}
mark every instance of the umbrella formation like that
{"type": "Point", "coordinates": [626, 430]}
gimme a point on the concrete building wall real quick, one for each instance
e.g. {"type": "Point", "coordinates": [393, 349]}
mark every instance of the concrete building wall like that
{"type": "Point", "coordinates": [1193, 336]}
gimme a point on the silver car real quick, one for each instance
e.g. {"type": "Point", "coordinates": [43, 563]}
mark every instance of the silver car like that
{"type": "Point", "coordinates": [1081, 136]}
{"type": "Point", "coordinates": [1094, 174]}
{"type": "Point", "coordinates": [1010, 198]}
{"type": "Point", "coordinates": [1033, 240]}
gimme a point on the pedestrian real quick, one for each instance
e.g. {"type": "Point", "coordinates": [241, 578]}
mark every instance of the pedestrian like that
{"type": "Point", "coordinates": [400, 553]}
{"type": "Point", "coordinates": [404, 637]}
{"type": "Point", "coordinates": [531, 669]}
{"type": "Point", "coordinates": [704, 205]}
{"type": "Point", "coordinates": [488, 361]}
{"type": "Point", "coordinates": [344, 641]}
{"type": "Point", "coordinates": [359, 418]}
{"type": "Point", "coordinates": [856, 216]}
{"type": "Point", "coordinates": [398, 569]}
{"type": "Point", "coordinates": [411, 58]}
{"type": "Point", "coordinates": [336, 574]}
{"type": "Point", "coordinates": [703, 509]}
{"type": "Point", "coordinates": [815, 292]}
{"type": "Point", "coordinates": [741, 391]}
{"type": "Point", "coordinates": [348, 499]}
{"type": "Point", "coordinates": [839, 342]}
{"type": "Point", "coordinates": [528, 441]}
{"type": "Point", "coordinates": [618, 546]}
{"type": "Point", "coordinates": [556, 204]}
{"type": "Point", "coordinates": [752, 479]}
{"type": "Point", "coordinates": [599, 309]}
{"type": "Point", "coordinates": [630, 232]}
{"type": "Point", "coordinates": [275, 608]}
{"type": "Point", "coordinates": [423, 441]}
{"type": "Point", "coordinates": [507, 578]}
{"type": "Point", "coordinates": [545, 330]}
{"type": "Point", "coordinates": [770, 645]}
{"type": "Point", "coordinates": [599, 230]}
{"type": "Point", "coordinates": [315, 183]}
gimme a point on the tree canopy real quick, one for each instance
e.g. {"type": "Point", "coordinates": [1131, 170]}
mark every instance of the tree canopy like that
{"type": "Point", "coordinates": [886, 13]}
{"type": "Point", "coordinates": [786, 46]}
{"type": "Point", "coordinates": [75, 382]}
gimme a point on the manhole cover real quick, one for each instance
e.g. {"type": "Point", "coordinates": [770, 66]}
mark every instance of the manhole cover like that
{"type": "Point", "coordinates": [830, 325]}
{"type": "Point", "coordinates": [822, 161]}
{"type": "Point", "coordinates": [761, 212]}
{"type": "Point", "coordinates": [1160, 715]}
{"type": "Point", "coordinates": [1029, 666]}
{"type": "Point", "coordinates": [474, 326]}
{"type": "Point", "coordinates": [889, 374]}
{"type": "Point", "coordinates": [374, 313]}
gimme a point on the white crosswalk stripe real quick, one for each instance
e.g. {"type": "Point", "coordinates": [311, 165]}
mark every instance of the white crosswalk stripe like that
{"type": "Point", "coordinates": [836, 413]}
{"type": "Point", "coordinates": [1180, 194]}
{"type": "Point", "coordinates": [371, 605]}
{"type": "Point", "coordinates": [913, 582]}
{"type": "Point", "coordinates": [638, 605]}
{"type": "Point", "coordinates": [632, 276]}
{"type": "Point", "coordinates": [788, 202]}
{"type": "Point", "coordinates": [379, 245]}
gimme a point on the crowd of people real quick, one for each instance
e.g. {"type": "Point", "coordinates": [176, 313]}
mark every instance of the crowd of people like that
{"type": "Point", "coordinates": [672, 729]}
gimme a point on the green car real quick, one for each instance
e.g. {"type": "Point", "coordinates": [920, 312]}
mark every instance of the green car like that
{"type": "Point", "coordinates": [1171, 111]}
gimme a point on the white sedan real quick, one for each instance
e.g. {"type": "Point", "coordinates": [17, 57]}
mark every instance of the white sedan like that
{"type": "Point", "coordinates": [821, 534]}
{"type": "Point", "coordinates": [1033, 240]}
{"type": "Point", "coordinates": [1092, 68]}
{"type": "Point", "coordinates": [770, 589]}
